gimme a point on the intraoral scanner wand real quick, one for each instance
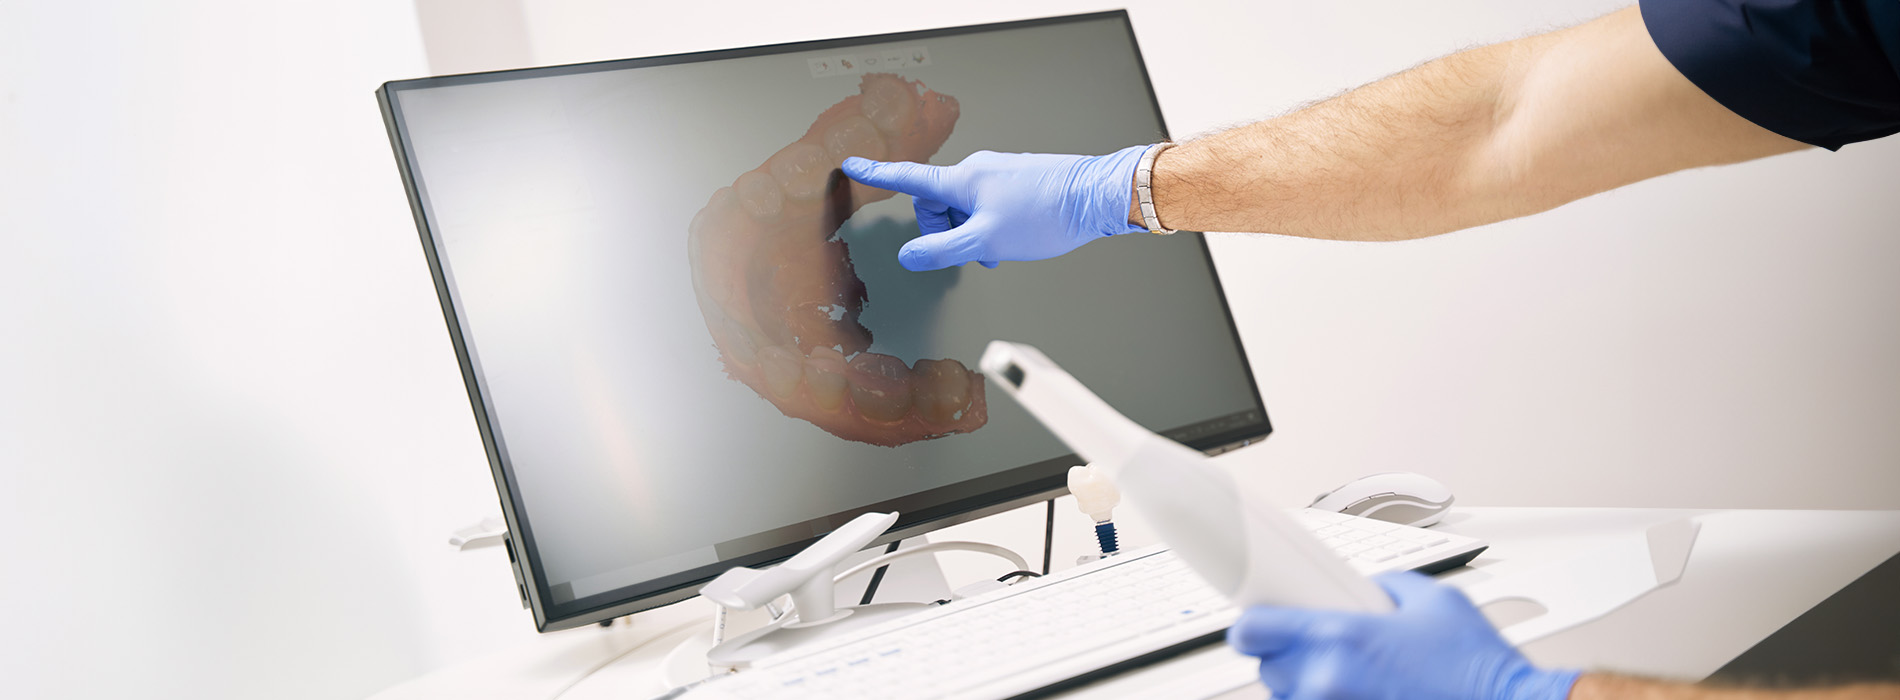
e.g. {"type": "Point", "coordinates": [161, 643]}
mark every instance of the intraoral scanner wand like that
{"type": "Point", "coordinates": [1253, 554]}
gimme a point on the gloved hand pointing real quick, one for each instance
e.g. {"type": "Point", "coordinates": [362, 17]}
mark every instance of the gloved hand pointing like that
{"type": "Point", "coordinates": [1007, 206]}
{"type": "Point", "coordinates": [1436, 646]}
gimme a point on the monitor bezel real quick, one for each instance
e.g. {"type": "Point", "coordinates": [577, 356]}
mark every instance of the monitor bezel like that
{"type": "Point", "coordinates": [940, 507]}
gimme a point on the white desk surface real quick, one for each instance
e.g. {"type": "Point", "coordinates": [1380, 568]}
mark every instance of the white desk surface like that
{"type": "Point", "coordinates": [1752, 571]}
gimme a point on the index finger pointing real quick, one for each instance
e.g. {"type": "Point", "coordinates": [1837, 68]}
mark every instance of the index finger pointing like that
{"type": "Point", "coordinates": [915, 179]}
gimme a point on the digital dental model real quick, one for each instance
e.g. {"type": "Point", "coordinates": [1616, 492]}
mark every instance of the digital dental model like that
{"type": "Point", "coordinates": [779, 294]}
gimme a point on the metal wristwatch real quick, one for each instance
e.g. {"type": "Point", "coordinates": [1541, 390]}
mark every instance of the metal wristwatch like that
{"type": "Point", "coordinates": [1144, 190]}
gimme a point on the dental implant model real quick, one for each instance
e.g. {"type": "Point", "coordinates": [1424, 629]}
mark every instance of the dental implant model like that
{"type": "Point", "coordinates": [1097, 497]}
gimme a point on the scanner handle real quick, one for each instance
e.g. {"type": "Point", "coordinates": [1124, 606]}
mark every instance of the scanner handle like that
{"type": "Point", "coordinates": [1254, 555]}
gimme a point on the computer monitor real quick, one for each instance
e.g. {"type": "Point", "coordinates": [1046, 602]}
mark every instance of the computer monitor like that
{"type": "Point", "coordinates": [686, 337]}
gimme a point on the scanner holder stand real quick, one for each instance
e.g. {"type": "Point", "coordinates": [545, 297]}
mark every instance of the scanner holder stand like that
{"type": "Point", "coordinates": [807, 577]}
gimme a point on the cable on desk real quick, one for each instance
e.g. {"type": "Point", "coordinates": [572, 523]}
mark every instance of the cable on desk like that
{"type": "Point", "coordinates": [1017, 574]}
{"type": "Point", "coordinates": [1015, 560]}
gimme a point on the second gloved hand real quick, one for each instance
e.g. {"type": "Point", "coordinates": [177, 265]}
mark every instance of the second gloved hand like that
{"type": "Point", "coordinates": [1435, 646]}
{"type": "Point", "coordinates": [1007, 206]}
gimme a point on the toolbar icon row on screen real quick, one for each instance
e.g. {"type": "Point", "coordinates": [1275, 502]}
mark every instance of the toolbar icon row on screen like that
{"type": "Point", "coordinates": [868, 62]}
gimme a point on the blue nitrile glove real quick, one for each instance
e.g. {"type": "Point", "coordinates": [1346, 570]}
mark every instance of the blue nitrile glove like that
{"type": "Point", "coordinates": [1007, 206]}
{"type": "Point", "coordinates": [1435, 646]}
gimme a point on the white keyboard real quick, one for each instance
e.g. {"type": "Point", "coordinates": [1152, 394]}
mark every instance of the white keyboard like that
{"type": "Point", "coordinates": [1060, 630]}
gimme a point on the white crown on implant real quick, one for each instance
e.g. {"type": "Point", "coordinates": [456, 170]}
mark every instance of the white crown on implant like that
{"type": "Point", "coordinates": [1095, 494]}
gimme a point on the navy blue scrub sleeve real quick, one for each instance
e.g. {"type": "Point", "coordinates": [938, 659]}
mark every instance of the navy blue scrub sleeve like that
{"type": "Point", "coordinates": [1822, 72]}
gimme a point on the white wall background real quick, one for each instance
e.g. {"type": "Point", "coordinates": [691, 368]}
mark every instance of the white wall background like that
{"type": "Point", "coordinates": [230, 427]}
{"type": "Point", "coordinates": [233, 436]}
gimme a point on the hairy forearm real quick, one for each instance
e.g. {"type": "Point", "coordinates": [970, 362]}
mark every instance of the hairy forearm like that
{"type": "Point", "coordinates": [1484, 135]}
{"type": "Point", "coordinates": [1597, 686]}
{"type": "Point", "coordinates": [1387, 161]}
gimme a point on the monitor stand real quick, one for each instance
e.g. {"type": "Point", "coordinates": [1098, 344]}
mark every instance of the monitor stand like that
{"type": "Point", "coordinates": [910, 585]}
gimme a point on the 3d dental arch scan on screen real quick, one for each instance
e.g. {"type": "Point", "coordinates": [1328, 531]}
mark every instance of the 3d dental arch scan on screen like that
{"type": "Point", "coordinates": [686, 338]}
{"type": "Point", "coordinates": [779, 293]}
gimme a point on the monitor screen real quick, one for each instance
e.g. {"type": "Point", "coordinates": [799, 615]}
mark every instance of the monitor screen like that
{"type": "Point", "coordinates": [686, 336]}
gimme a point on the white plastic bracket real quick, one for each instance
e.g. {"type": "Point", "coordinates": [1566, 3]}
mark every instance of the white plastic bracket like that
{"type": "Point", "coordinates": [1594, 583]}
{"type": "Point", "coordinates": [489, 531]}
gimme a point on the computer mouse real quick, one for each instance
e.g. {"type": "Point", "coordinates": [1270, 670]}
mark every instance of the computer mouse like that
{"type": "Point", "coordinates": [1396, 497]}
